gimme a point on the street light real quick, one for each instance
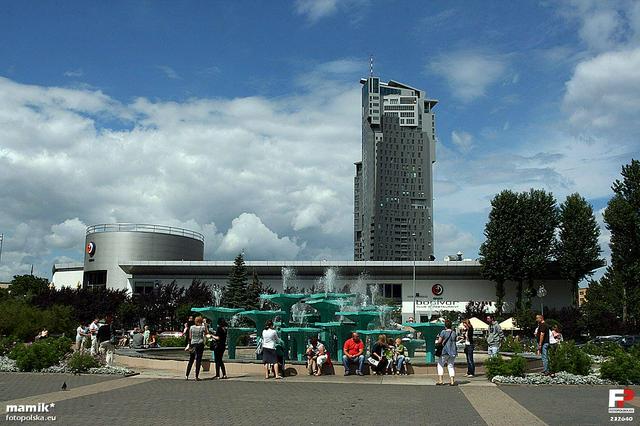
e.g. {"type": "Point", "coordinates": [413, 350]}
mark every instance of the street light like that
{"type": "Point", "coordinates": [414, 275]}
{"type": "Point", "coordinates": [542, 292]}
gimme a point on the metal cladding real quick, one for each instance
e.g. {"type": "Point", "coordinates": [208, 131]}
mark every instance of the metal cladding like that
{"type": "Point", "coordinates": [108, 244]}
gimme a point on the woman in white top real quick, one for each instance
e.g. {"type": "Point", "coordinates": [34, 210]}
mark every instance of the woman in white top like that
{"type": "Point", "coordinates": [197, 333]}
{"type": "Point", "coordinates": [269, 356]}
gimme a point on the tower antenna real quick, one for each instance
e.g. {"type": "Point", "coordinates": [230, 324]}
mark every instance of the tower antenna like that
{"type": "Point", "coordinates": [371, 65]}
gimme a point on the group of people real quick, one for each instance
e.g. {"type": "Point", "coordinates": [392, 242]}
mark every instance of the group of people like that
{"type": "Point", "coordinates": [198, 334]}
{"type": "Point", "coordinates": [100, 334]}
{"type": "Point", "coordinates": [141, 338]}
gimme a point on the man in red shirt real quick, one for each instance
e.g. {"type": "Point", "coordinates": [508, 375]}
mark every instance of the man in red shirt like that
{"type": "Point", "coordinates": [353, 352]}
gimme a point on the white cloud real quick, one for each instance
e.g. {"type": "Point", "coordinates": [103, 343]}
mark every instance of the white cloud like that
{"type": "Point", "coordinates": [316, 9]}
{"type": "Point", "coordinates": [198, 164]}
{"type": "Point", "coordinates": [469, 73]}
{"type": "Point", "coordinates": [74, 73]}
{"type": "Point", "coordinates": [248, 233]}
{"type": "Point", "coordinates": [463, 140]}
{"type": "Point", "coordinates": [449, 239]}
{"type": "Point", "coordinates": [169, 72]}
{"type": "Point", "coordinates": [603, 95]}
{"type": "Point", "coordinates": [67, 234]}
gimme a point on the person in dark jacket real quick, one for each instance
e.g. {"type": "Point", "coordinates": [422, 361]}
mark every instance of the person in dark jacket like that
{"type": "Point", "coordinates": [378, 354]}
{"type": "Point", "coordinates": [105, 340]}
{"type": "Point", "coordinates": [467, 337]}
{"type": "Point", "coordinates": [218, 343]}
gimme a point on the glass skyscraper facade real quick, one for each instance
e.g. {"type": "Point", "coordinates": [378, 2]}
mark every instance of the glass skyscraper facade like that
{"type": "Point", "coordinates": [393, 186]}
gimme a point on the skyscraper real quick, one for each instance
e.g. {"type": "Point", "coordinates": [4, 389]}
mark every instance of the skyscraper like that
{"type": "Point", "coordinates": [393, 186]}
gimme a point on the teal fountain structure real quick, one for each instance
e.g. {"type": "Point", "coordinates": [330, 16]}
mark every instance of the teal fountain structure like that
{"type": "Point", "coordinates": [429, 332]}
{"type": "Point", "coordinates": [296, 338]}
{"type": "Point", "coordinates": [286, 302]}
{"type": "Point", "coordinates": [213, 313]}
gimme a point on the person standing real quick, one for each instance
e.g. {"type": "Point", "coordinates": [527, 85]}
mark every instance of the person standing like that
{"type": "Point", "coordinates": [93, 331]}
{"type": "Point", "coordinates": [542, 338]}
{"type": "Point", "coordinates": [196, 346]}
{"type": "Point", "coordinates": [555, 336]}
{"type": "Point", "coordinates": [469, 347]}
{"type": "Point", "coordinates": [269, 356]}
{"type": "Point", "coordinates": [145, 335]}
{"type": "Point", "coordinates": [185, 330]}
{"type": "Point", "coordinates": [218, 343]}
{"type": "Point", "coordinates": [447, 338]}
{"type": "Point", "coordinates": [81, 333]}
{"type": "Point", "coordinates": [105, 340]}
{"type": "Point", "coordinates": [495, 336]}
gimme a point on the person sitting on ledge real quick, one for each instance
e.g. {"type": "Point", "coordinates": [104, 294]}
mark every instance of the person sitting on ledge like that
{"type": "Point", "coordinates": [137, 341]}
{"type": "Point", "coordinates": [312, 354]}
{"type": "Point", "coordinates": [353, 352]}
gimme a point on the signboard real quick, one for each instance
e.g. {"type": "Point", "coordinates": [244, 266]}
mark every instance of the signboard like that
{"type": "Point", "coordinates": [438, 304]}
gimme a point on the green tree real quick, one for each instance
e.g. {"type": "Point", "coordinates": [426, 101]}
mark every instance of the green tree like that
{"type": "Point", "coordinates": [622, 219]}
{"type": "Point", "coordinates": [497, 255]}
{"type": "Point", "coordinates": [602, 312]}
{"type": "Point", "coordinates": [28, 285]}
{"type": "Point", "coordinates": [235, 293]}
{"type": "Point", "coordinates": [577, 250]}
{"type": "Point", "coordinates": [539, 220]}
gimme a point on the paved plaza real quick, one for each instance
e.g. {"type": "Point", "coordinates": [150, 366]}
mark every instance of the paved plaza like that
{"type": "Point", "coordinates": [161, 399]}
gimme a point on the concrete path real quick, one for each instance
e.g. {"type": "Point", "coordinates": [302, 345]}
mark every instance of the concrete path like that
{"type": "Point", "coordinates": [161, 398]}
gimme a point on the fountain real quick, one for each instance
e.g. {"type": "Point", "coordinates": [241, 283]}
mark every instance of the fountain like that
{"type": "Point", "coordinates": [429, 332]}
{"type": "Point", "coordinates": [285, 301]}
{"type": "Point", "coordinates": [260, 317]}
{"type": "Point", "coordinates": [213, 313]}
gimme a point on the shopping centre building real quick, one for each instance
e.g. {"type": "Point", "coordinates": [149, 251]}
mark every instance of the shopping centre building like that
{"type": "Point", "coordinates": [139, 257]}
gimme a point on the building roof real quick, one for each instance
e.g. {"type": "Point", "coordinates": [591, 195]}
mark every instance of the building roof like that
{"type": "Point", "coordinates": [315, 267]}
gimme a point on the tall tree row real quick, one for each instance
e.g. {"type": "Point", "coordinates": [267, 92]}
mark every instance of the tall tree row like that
{"type": "Point", "coordinates": [622, 218]}
{"type": "Point", "coordinates": [521, 241]}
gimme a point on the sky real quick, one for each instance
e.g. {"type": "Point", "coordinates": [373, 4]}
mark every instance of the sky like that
{"type": "Point", "coordinates": [241, 119]}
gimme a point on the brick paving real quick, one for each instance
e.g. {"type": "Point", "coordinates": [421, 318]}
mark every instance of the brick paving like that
{"type": "Point", "coordinates": [246, 400]}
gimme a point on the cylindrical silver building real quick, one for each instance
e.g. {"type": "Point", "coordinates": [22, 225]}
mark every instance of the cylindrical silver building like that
{"type": "Point", "coordinates": [107, 245]}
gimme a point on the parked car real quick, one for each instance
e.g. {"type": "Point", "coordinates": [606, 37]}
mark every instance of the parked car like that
{"type": "Point", "coordinates": [629, 341]}
{"type": "Point", "coordinates": [165, 334]}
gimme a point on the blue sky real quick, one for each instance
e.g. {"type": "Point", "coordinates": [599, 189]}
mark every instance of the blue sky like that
{"type": "Point", "coordinates": [241, 119]}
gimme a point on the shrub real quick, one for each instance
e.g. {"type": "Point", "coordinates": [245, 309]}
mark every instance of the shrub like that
{"type": "Point", "coordinates": [498, 366]}
{"type": "Point", "coordinates": [39, 355]}
{"type": "Point", "coordinates": [510, 344]}
{"type": "Point", "coordinates": [480, 343]}
{"type": "Point", "coordinates": [602, 349]}
{"type": "Point", "coordinates": [81, 362]}
{"type": "Point", "coordinates": [173, 342]}
{"type": "Point", "coordinates": [25, 321]}
{"type": "Point", "coordinates": [566, 356]}
{"type": "Point", "coordinates": [623, 368]}
{"type": "Point", "coordinates": [7, 343]}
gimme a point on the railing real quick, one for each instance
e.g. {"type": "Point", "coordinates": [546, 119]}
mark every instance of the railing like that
{"type": "Point", "coordinates": [143, 227]}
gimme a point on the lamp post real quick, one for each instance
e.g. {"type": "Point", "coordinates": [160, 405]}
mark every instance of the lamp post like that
{"type": "Point", "coordinates": [1, 242]}
{"type": "Point", "coordinates": [542, 292]}
{"type": "Point", "coordinates": [414, 275]}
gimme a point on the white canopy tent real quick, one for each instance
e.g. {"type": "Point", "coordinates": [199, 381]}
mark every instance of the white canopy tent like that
{"type": "Point", "coordinates": [509, 325]}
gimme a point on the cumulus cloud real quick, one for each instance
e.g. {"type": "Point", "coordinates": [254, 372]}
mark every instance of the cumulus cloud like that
{"type": "Point", "coordinates": [66, 234]}
{"type": "Point", "coordinates": [449, 239]}
{"type": "Point", "coordinates": [603, 94]}
{"type": "Point", "coordinates": [469, 73]}
{"type": "Point", "coordinates": [199, 164]}
{"type": "Point", "coordinates": [249, 234]}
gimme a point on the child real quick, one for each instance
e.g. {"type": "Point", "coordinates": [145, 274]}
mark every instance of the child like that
{"type": "Point", "coordinates": [389, 353]}
{"type": "Point", "coordinates": [401, 358]}
{"type": "Point", "coordinates": [321, 359]}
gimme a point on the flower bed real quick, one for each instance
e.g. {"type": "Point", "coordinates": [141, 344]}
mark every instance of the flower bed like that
{"type": "Point", "coordinates": [8, 365]}
{"type": "Point", "coordinates": [561, 378]}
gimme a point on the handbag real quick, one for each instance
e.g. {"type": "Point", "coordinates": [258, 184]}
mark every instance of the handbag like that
{"type": "Point", "coordinates": [440, 346]}
{"type": "Point", "coordinates": [214, 344]}
{"type": "Point", "coordinates": [259, 347]}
